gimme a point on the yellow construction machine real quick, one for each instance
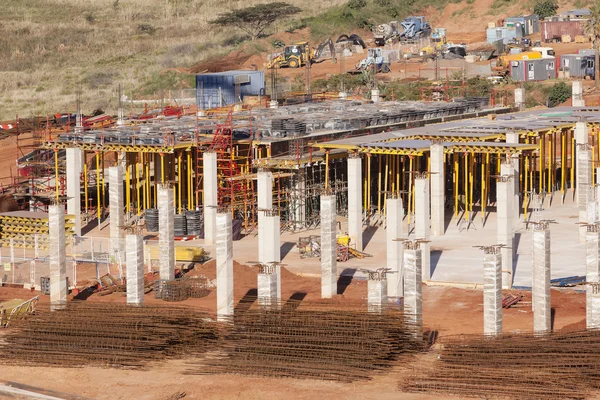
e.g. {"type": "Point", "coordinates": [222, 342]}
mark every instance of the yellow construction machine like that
{"type": "Point", "coordinates": [300, 53]}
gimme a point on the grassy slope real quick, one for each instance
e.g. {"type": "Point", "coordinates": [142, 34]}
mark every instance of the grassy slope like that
{"type": "Point", "coordinates": [50, 48]}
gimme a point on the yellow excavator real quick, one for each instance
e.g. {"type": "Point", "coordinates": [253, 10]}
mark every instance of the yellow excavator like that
{"type": "Point", "coordinates": [300, 53]}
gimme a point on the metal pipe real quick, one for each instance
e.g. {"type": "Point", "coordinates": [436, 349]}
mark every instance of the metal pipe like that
{"type": "Point", "coordinates": [85, 183]}
{"type": "Point", "coordinates": [179, 177]}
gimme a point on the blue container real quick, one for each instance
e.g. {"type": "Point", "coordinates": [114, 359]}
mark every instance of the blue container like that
{"type": "Point", "coordinates": [227, 88]}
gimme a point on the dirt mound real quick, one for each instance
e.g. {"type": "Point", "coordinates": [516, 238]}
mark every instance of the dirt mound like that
{"type": "Point", "coordinates": [8, 203]}
{"type": "Point", "coordinates": [231, 61]}
{"type": "Point", "coordinates": [577, 326]}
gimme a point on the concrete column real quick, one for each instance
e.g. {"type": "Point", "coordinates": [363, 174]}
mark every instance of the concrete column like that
{"type": "Point", "coordinates": [422, 223]}
{"type": "Point", "coordinates": [74, 170]}
{"type": "Point", "coordinates": [58, 267]}
{"type": "Point", "coordinates": [413, 287]}
{"type": "Point", "coordinates": [134, 264]}
{"type": "Point", "coordinates": [117, 215]}
{"type": "Point", "coordinates": [505, 230]}
{"type": "Point", "coordinates": [583, 169]}
{"type": "Point", "coordinates": [377, 292]}
{"type": "Point", "coordinates": [541, 280]}
{"type": "Point", "coordinates": [513, 138]}
{"type": "Point", "coordinates": [394, 230]}
{"type": "Point", "coordinates": [592, 309]}
{"type": "Point", "coordinates": [328, 247]}
{"type": "Point", "coordinates": [507, 169]}
{"type": "Point", "coordinates": [581, 133]}
{"type": "Point", "coordinates": [438, 189]}
{"type": "Point", "coordinates": [272, 246]}
{"type": "Point", "coordinates": [267, 288]}
{"type": "Point", "coordinates": [597, 188]}
{"type": "Point", "coordinates": [224, 266]}
{"type": "Point", "coordinates": [492, 292]}
{"type": "Point", "coordinates": [210, 187]}
{"type": "Point", "coordinates": [166, 232]}
{"type": "Point", "coordinates": [299, 200]}
{"type": "Point", "coordinates": [265, 202]}
{"type": "Point", "coordinates": [520, 98]}
{"type": "Point", "coordinates": [577, 94]}
{"type": "Point", "coordinates": [355, 203]}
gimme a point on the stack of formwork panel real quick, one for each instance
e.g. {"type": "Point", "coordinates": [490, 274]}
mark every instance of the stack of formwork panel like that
{"type": "Point", "coordinates": [22, 227]}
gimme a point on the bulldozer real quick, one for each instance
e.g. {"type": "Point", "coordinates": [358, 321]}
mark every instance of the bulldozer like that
{"type": "Point", "coordinates": [299, 54]}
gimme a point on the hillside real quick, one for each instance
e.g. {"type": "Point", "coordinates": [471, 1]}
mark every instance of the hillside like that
{"type": "Point", "coordinates": [49, 49]}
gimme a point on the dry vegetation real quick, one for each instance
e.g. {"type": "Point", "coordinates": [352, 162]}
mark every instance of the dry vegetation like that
{"type": "Point", "coordinates": [50, 48]}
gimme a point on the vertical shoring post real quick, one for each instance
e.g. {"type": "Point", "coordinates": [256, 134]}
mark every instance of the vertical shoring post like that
{"type": "Point", "coordinates": [189, 179]}
{"type": "Point", "coordinates": [326, 169]}
{"type": "Point", "coordinates": [179, 182]}
{"type": "Point", "coordinates": [572, 152]}
{"type": "Point", "coordinates": [563, 157]}
{"type": "Point", "coordinates": [127, 187]}
{"type": "Point", "coordinates": [541, 164]}
{"type": "Point", "coordinates": [526, 191]}
{"type": "Point", "coordinates": [147, 181]}
{"type": "Point", "coordinates": [550, 162]}
{"type": "Point", "coordinates": [410, 190]}
{"type": "Point", "coordinates": [137, 184]}
{"type": "Point", "coordinates": [98, 206]}
{"type": "Point", "coordinates": [455, 179]}
{"type": "Point", "coordinates": [466, 186]}
{"type": "Point", "coordinates": [484, 186]}
{"type": "Point", "coordinates": [103, 189]}
{"type": "Point", "coordinates": [368, 208]}
{"type": "Point", "coordinates": [472, 173]}
{"type": "Point", "coordinates": [379, 161]}
{"type": "Point", "coordinates": [85, 183]}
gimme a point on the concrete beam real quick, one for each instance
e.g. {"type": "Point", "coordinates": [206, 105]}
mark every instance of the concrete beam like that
{"type": "Point", "coordinates": [355, 203]}
{"type": "Point", "coordinates": [210, 186]}
{"type": "Point", "coordinates": [492, 293]}
{"type": "Point", "coordinates": [328, 247]}
{"type": "Point", "coordinates": [394, 230]}
{"type": "Point", "coordinates": [224, 266]}
{"type": "Point", "coordinates": [438, 178]}
{"type": "Point", "coordinates": [542, 313]}
{"type": "Point", "coordinates": [422, 223]}
{"type": "Point", "coordinates": [134, 264]}
{"type": "Point", "coordinates": [58, 267]}
{"type": "Point", "coordinates": [166, 232]}
{"type": "Point", "coordinates": [74, 170]}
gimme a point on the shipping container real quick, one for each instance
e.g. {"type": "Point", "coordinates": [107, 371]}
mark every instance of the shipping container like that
{"type": "Point", "coordinates": [554, 30]}
{"type": "Point", "coordinates": [533, 70]}
{"type": "Point", "coordinates": [578, 65]}
{"type": "Point", "coordinates": [225, 88]}
{"type": "Point", "coordinates": [525, 25]}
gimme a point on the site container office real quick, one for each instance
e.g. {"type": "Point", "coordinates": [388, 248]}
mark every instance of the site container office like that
{"type": "Point", "coordinates": [533, 70]}
{"type": "Point", "coordinates": [577, 64]}
{"type": "Point", "coordinates": [502, 33]}
{"type": "Point", "coordinates": [525, 25]}
{"type": "Point", "coordinates": [229, 87]}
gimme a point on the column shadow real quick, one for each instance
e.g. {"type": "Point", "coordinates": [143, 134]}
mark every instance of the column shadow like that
{"type": "Point", "coordinates": [286, 247]}
{"type": "Point", "coordinates": [434, 260]}
{"type": "Point", "coordinates": [294, 301]}
{"type": "Point", "coordinates": [246, 301]}
{"type": "Point", "coordinates": [368, 235]}
{"type": "Point", "coordinates": [345, 279]}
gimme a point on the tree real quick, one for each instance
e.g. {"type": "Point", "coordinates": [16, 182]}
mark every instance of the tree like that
{"type": "Point", "coordinates": [559, 94]}
{"type": "Point", "coordinates": [255, 20]}
{"type": "Point", "coordinates": [592, 29]}
{"type": "Point", "coordinates": [545, 8]}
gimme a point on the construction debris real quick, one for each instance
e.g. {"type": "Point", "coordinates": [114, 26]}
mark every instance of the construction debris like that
{"type": "Point", "coordinates": [511, 300]}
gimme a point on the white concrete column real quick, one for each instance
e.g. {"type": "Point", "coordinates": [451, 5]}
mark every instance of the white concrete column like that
{"type": "Point", "coordinates": [394, 230]}
{"type": "Point", "coordinates": [267, 288]}
{"type": "Point", "coordinates": [520, 98]}
{"type": "Point", "coordinates": [328, 247]}
{"type": "Point", "coordinates": [272, 246]}
{"type": "Point", "coordinates": [422, 223]}
{"type": "Point", "coordinates": [299, 201]}
{"type": "Point", "coordinates": [134, 264]}
{"type": "Point", "coordinates": [166, 232]}
{"type": "Point", "coordinates": [577, 94]}
{"type": "Point", "coordinates": [581, 133]}
{"type": "Point", "coordinates": [438, 197]}
{"type": "Point", "coordinates": [377, 292]}
{"type": "Point", "coordinates": [224, 266]}
{"type": "Point", "coordinates": [513, 138]}
{"type": "Point", "coordinates": [210, 186]}
{"type": "Point", "coordinates": [265, 202]}
{"type": "Point", "coordinates": [74, 170]}
{"type": "Point", "coordinates": [58, 267]}
{"type": "Point", "coordinates": [597, 188]}
{"type": "Point", "coordinates": [117, 215]}
{"type": "Point", "coordinates": [505, 230]}
{"type": "Point", "coordinates": [592, 309]}
{"type": "Point", "coordinates": [355, 203]}
{"type": "Point", "coordinates": [542, 312]}
{"type": "Point", "coordinates": [507, 169]}
{"type": "Point", "coordinates": [413, 302]}
{"type": "Point", "coordinates": [492, 292]}
{"type": "Point", "coordinates": [584, 189]}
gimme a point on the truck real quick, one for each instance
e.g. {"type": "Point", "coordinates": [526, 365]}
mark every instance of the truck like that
{"type": "Point", "coordinates": [413, 27]}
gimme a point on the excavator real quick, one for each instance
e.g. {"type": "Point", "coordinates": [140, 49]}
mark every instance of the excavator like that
{"type": "Point", "coordinates": [299, 54]}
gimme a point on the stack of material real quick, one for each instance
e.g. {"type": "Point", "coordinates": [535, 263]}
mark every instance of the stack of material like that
{"type": "Point", "coordinates": [107, 334]}
{"type": "Point", "coordinates": [312, 341]}
{"type": "Point", "coordinates": [523, 366]}
{"type": "Point", "coordinates": [194, 222]}
{"type": "Point", "coordinates": [295, 128]}
{"type": "Point", "coordinates": [181, 289]}
{"type": "Point", "coordinates": [152, 220]}
{"type": "Point", "coordinates": [22, 226]}
{"type": "Point", "coordinates": [180, 225]}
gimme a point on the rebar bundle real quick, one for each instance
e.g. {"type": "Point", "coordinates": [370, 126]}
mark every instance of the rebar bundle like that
{"type": "Point", "coordinates": [107, 334]}
{"type": "Point", "coordinates": [315, 341]}
{"type": "Point", "coordinates": [181, 289]}
{"type": "Point", "coordinates": [520, 366]}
